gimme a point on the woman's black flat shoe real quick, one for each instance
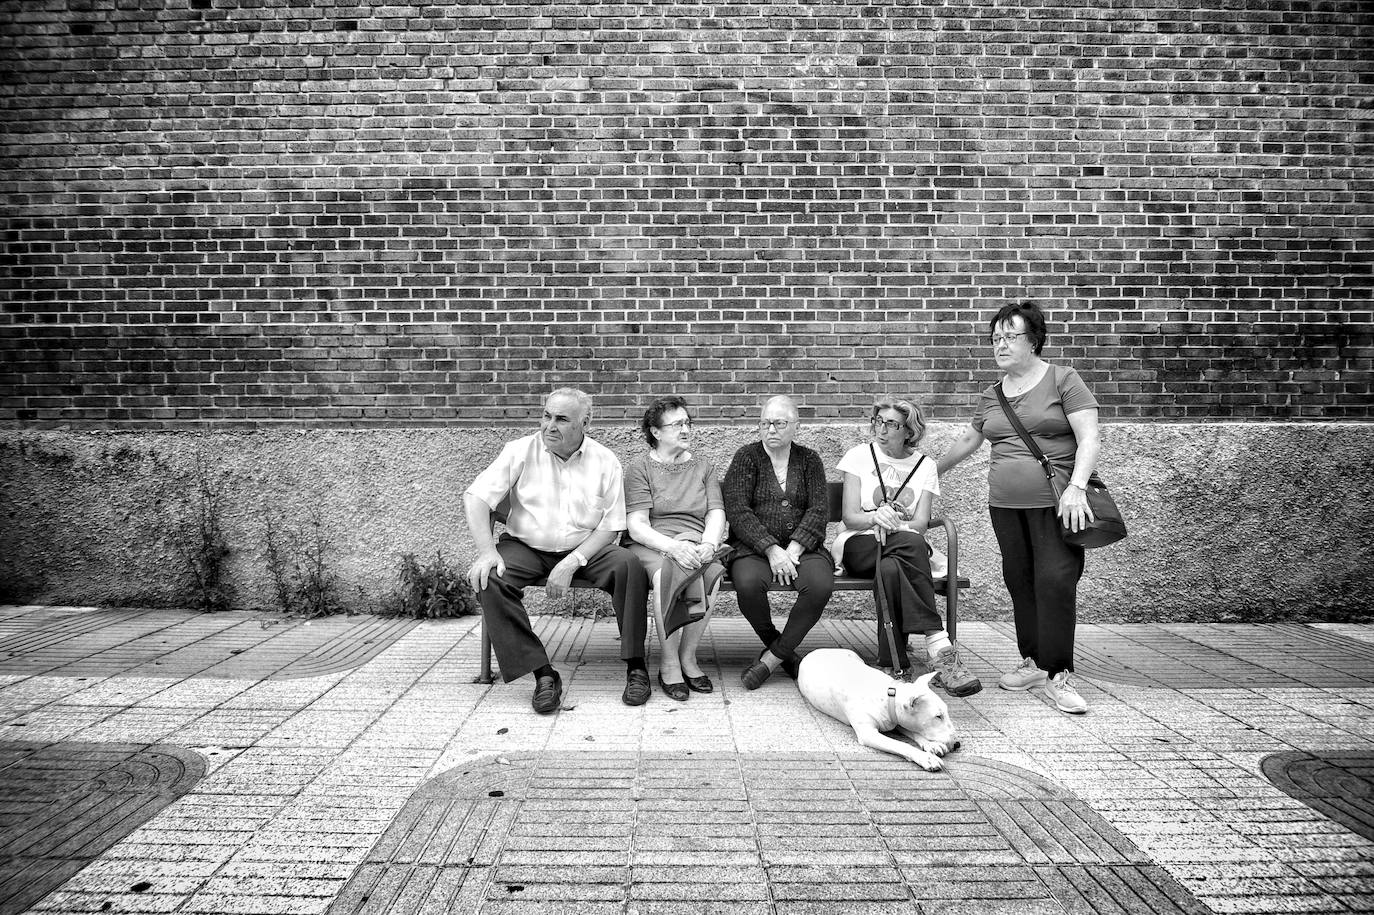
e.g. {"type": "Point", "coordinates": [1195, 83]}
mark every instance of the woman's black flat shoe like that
{"type": "Point", "coordinates": [676, 691]}
{"type": "Point", "coordinates": [700, 684]}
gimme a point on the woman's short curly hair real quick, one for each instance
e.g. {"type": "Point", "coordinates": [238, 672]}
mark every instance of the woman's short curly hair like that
{"type": "Point", "coordinates": [1028, 312]}
{"type": "Point", "coordinates": [912, 419]}
{"type": "Point", "coordinates": [654, 416]}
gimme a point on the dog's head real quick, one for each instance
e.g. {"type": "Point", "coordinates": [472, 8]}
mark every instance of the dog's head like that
{"type": "Point", "coordinates": [924, 714]}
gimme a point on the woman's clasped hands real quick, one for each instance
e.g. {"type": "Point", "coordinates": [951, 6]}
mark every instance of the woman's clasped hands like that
{"type": "Point", "coordinates": [888, 518]}
{"type": "Point", "coordinates": [783, 563]}
{"type": "Point", "coordinates": [687, 554]}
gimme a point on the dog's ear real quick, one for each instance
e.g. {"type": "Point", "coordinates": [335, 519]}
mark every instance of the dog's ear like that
{"type": "Point", "coordinates": [923, 682]}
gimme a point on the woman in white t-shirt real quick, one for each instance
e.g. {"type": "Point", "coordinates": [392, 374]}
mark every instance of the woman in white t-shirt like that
{"type": "Point", "coordinates": [889, 488]}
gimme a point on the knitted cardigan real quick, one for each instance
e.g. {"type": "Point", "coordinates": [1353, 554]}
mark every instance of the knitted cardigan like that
{"type": "Point", "coordinates": [762, 515]}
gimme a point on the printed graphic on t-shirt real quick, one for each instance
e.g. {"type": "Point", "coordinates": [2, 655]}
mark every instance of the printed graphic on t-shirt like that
{"type": "Point", "coordinates": [892, 478]}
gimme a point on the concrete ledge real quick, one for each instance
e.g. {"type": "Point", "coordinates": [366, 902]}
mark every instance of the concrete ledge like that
{"type": "Point", "coordinates": [1236, 521]}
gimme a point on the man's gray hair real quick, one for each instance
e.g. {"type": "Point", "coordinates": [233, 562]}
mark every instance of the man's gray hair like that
{"type": "Point", "coordinates": [584, 400]}
{"type": "Point", "coordinates": [786, 401]}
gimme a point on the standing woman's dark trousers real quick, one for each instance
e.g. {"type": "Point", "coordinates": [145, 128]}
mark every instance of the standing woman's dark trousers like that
{"type": "Point", "coordinates": [1042, 573]}
{"type": "Point", "coordinates": [905, 580]}
{"type": "Point", "coordinates": [815, 580]}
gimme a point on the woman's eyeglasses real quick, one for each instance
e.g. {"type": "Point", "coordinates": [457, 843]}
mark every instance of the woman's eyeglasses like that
{"type": "Point", "coordinates": [1005, 338]}
{"type": "Point", "coordinates": [679, 425]}
{"type": "Point", "coordinates": [891, 425]}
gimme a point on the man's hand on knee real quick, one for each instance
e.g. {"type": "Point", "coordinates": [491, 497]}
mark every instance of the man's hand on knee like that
{"type": "Point", "coordinates": [560, 577]}
{"type": "Point", "coordinates": [482, 567]}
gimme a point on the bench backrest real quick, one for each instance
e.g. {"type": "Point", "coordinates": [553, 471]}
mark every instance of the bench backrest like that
{"type": "Point", "coordinates": [834, 493]}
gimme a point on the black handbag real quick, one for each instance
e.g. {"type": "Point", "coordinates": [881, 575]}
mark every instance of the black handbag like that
{"type": "Point", "coordinates": [1107, 525]}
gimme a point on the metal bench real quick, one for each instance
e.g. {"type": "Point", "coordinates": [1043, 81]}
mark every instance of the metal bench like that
{"type": "Point", "coordinates": [835, 492]}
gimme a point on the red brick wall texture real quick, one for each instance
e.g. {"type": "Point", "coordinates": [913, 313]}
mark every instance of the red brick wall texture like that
{"type": "Point", "coordinates": [244, 213]}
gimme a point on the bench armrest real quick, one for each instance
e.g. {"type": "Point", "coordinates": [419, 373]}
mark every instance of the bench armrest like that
{"type": "Point", "coordinates": [951, 545]}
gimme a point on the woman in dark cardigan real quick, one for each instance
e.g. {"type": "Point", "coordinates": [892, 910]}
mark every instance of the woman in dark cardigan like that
{"type": "Point", "coordinates": [776, 503]}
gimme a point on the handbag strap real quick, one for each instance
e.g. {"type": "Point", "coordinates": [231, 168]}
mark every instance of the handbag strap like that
{"type": "Point", "coordinates": [1030, 442]}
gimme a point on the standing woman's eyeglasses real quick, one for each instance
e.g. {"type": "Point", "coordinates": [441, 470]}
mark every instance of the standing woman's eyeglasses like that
{"type": "Point", "coordinates": [1005, 338]}
{"type": "Point", "coordinates": [679, 425]}
{"type": "Point", "coordinates": [891, 425]}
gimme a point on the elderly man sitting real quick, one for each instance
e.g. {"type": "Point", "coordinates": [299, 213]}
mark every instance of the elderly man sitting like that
{"type": "Point", "coordinates": [567, 509]}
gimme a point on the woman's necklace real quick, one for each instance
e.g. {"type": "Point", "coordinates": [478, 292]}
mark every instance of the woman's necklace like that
{"type": "Point", "coordinates": [780, 469]}
{"type": "Point", "coordinates": [1018, 386]}
{"type": "Point", "coordinates": [681, 457]}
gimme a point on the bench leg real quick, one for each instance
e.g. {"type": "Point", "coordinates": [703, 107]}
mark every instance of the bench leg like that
{"type": "Point", "coordinates": [485, 675]}
{"type": "Point", "coordinates": [952, 610]}
{"type": "Point", "coordinates": [951, 579]}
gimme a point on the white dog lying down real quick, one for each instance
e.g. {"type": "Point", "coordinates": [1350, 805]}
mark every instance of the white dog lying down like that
{"type": "Point", "coordinates": [839, 683]}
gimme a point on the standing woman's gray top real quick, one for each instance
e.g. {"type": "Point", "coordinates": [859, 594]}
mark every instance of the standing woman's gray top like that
{"type": "Point", "coordinates": [1015, 479]}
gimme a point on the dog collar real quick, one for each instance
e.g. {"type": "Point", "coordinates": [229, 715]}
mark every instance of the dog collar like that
{"type": "Point", "coordinates": [892, 705]}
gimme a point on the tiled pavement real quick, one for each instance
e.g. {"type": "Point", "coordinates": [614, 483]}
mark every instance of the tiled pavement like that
{"type": "Point", "coordinates": [155, 761]}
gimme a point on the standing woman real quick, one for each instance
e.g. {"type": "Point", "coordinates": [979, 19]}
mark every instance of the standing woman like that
{"type": "Point", "coordinates": [777, 504]}
{"type": "Point", "coordinates": [1041, 571]}
{"type": "Point", "coordinates": [676, 518]}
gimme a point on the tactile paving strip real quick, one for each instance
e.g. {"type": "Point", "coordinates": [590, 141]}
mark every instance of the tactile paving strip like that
{"type": "Point", "coordinates": [83, 642]}
{"type": "Point", "coordinates": [1219, 656]}
{"type": "Point", "coordinates": [62, 805]}
{"type": "Point", "coordinates": [1338, 785]}
{"type": "Point", "coordinates": [768, 833]}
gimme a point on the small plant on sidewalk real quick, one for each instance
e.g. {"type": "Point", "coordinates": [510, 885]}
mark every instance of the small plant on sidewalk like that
{"type": "Point", "coordinates": [298, 563]}
{"type": "Point", "coordinates": [430, 591]}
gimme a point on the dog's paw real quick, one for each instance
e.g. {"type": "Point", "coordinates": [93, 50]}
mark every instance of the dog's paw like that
{"type": "Point", "coordinates": [933, 748]}
{"type": "Point", "coordinates": [927, 761]}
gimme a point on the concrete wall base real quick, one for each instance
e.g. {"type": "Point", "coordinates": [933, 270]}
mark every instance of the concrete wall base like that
{"type": "Point", "coordinates": [1229, 521]}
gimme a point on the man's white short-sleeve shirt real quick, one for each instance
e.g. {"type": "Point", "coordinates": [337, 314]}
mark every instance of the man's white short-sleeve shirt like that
{"type": "Point", "coordinates": [554, 504]}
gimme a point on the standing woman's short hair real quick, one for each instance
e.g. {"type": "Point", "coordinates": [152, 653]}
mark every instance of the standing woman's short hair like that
{"type": "Point", "coordinates": [653, 416]}
{"type": "Point", "coordinates": [912, 419]}
{"type": "Point", "coordinates": [1027, 311]}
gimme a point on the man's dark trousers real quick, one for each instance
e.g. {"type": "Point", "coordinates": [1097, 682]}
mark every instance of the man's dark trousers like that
{"type": "Point", "coordinates": [614, 570]}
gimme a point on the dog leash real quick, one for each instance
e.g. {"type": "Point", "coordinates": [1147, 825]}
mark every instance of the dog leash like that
{"type": "Point", "coordinates": [879, 591]}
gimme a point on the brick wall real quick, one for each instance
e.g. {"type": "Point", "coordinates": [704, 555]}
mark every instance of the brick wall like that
{"type": "Point", "coordinates": [248, 213]}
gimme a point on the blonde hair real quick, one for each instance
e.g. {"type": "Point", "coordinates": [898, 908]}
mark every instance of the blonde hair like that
{"type": "Point", "coordinates": [912, 419]}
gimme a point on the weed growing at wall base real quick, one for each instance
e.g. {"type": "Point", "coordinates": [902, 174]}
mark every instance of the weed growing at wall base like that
{"type": "Point", "coordinates": [200, 542]}
{"type": "Point", "coordinates": [431, 591]}
{"type": "Point", "coordinates": [298, 563]}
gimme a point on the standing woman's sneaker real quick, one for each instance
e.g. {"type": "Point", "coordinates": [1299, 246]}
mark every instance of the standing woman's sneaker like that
{"type": "Point", "coordinates": [1061, 691]}
{"type": "Point", "coordinates": [1023, 677]}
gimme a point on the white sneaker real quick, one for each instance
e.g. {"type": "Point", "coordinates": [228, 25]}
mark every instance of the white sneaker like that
{"type": "Point", "coordinates": [1023, 677]}
{"type": "Point", "coordinates": [1061, 690]}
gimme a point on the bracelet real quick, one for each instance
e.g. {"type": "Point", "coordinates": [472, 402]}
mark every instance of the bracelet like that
{"type": "Point", "coordinates": [581, 560]}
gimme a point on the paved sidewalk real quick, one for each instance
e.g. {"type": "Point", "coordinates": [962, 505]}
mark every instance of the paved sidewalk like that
{"type": "Point", "coordinates": [155, 761]}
